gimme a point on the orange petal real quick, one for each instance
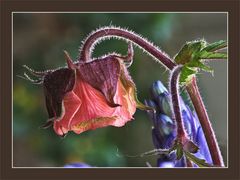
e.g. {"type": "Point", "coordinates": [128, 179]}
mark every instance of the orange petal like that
{"type": "Point", "coordinates": [93, 124]}
{"type": "Point", "coordinates": [128, 105]}
{"type": "Point", "coordinates": [130, 87]}
{"type": "Point", "coordinates": [71, 104]}
{"type": "Point", "coordinates": [95, 112]}
{"type": "Point", "coordinates": [94, 104]}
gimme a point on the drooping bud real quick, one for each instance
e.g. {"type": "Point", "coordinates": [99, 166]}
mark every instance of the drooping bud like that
{"type": "Point", "coordinates": [90, 95]}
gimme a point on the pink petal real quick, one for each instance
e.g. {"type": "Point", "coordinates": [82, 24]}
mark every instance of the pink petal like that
{"type": "Point", "coordinates": [128, 105]}
{"type": "Point", "coordinates": [71, 104]}
{"type": "Point", "coordinates": [94, 104]}
{"type": "Point", "coordinates": [95, 112]}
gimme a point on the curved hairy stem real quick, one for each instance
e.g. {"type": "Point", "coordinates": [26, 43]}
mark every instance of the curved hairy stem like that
{"type": "Point", "coordinates": [174, 79]}
{"type": "Point", "coordinates": [91, 40]}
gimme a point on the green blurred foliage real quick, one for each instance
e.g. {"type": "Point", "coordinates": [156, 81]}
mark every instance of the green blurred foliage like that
{"type": "Point", "coordinates": [39, 40]}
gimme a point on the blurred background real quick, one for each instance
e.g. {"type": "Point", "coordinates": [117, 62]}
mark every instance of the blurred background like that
{"type": "Point", "coordinates": [39, 41]}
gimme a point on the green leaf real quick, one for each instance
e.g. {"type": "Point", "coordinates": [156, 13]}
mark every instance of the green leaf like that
{"type": "Point", "coordinates": [186, 74]}
{"type": "Point", "coordinates": [179, 149]}
{"type": "Point", "coordinates": [196, 160]}
{"type": "Point", "coordinates": [200, 65]}
{"type": "Point", "coordinates": [179, 153]}
{"type": "Point", "coordinates": [156, 152]}
{"type": "Point", "coordinates": [193, 55]}
{"type": "Point", "coordinates": [212, 55]}
{"type": "Point", "coordinates": [215, 46]}
{"type": "Point", "coordinates": [189, 51]}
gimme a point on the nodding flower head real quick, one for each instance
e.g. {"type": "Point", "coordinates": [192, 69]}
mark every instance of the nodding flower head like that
{"type": "Point", "coordinates": [164, 127]}
{"type": "Point", "coordinates": [89, 95]}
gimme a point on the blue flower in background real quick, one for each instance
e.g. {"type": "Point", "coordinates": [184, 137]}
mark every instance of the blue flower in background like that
{"type": "Point", "coordinates": [77, 165]}
{"type": "Point", "coordinates": [164, 128]}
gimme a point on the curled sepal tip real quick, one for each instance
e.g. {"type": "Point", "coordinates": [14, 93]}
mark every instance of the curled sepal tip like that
{"type": "Point", "coordinates": [69, 60]}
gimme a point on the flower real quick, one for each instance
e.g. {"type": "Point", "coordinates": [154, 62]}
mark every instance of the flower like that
{"type": "Point", "coordinates": [77, 165]}
{"type": "Point", "coordinates": [89, 95]}
{"type": "Point", "coordinates": [164, 128]}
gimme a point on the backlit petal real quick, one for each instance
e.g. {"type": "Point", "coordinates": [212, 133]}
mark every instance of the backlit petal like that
{"type": "Point", "coordinates": [71, 104]}
{"type": "Point", "coordinates": [95, 112]}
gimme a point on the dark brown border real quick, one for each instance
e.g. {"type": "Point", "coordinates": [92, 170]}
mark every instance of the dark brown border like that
{"type": "Point", "coordinates": [89, 5]}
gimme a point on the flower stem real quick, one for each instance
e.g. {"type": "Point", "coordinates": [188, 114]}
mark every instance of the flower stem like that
{"type": "Point", "coordinates": [85, 54]}
{"type": "Point", "coordinates": [198, 104]}
{"type": "Point", "coordinates": [189, 163]}
{"type": "Point", "coordinates": [174, 79]}
{"type": "Point", "coordinates": [192, 88]}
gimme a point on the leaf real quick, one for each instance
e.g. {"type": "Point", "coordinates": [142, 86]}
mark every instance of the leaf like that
{"type": "Point", "coordinates": [196, 160]}
{"type": "Point", "coordinates": [200, 65]}
{"type": "Point", "coordinates": [187, 74]}
{"type": "Point", "coordinates": [156, 152]}
{"type": "Point", "coordinates": [215, 46]}
{"type": "Point", "coordinates": [179, 152]}
{"type": "Point", "coordinates": [212, 55]}
{"type": "Point", "coordinates": [189, 51]}
{"type": "Point", "coordinates": [179, 149]}
{"type": "Point", "coordinates": [192, 54]}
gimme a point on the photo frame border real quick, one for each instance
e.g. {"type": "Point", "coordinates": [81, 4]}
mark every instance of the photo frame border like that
{"type": "Point", "coordinates": [7, 7]}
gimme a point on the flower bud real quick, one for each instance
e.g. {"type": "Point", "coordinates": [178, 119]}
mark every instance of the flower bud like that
{"type": "Point", "coordinates": [165, 124]}
{"type": "Point", "coordinates": [164, 103]}
{"type": "Point", "coordinates": [163, 132]}
{"type": "Point", "coordinates": [157, 89]}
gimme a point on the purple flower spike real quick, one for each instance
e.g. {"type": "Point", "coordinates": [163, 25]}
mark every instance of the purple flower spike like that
{"type": "Point", "coordinates": [164, 128]}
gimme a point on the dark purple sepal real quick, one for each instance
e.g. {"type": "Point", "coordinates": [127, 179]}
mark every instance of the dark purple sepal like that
{"type": "Point", "coordinates": [103, 75]}
{"type": "Point", "coordinates": [56, 84]}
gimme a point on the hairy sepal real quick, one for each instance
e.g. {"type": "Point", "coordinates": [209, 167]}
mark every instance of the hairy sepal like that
{"type": "Point", "coordinates": [193, 56]}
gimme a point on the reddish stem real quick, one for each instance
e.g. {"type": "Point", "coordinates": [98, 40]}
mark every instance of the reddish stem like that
{"type": "Point", "coordinates": [189, 163]}
{"type": "Point", "coordinates": [197, 101]}
{"type": "Point", "coordinates": [85, 54]}
{"type": "Point", "coordinates": [174, 79]}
